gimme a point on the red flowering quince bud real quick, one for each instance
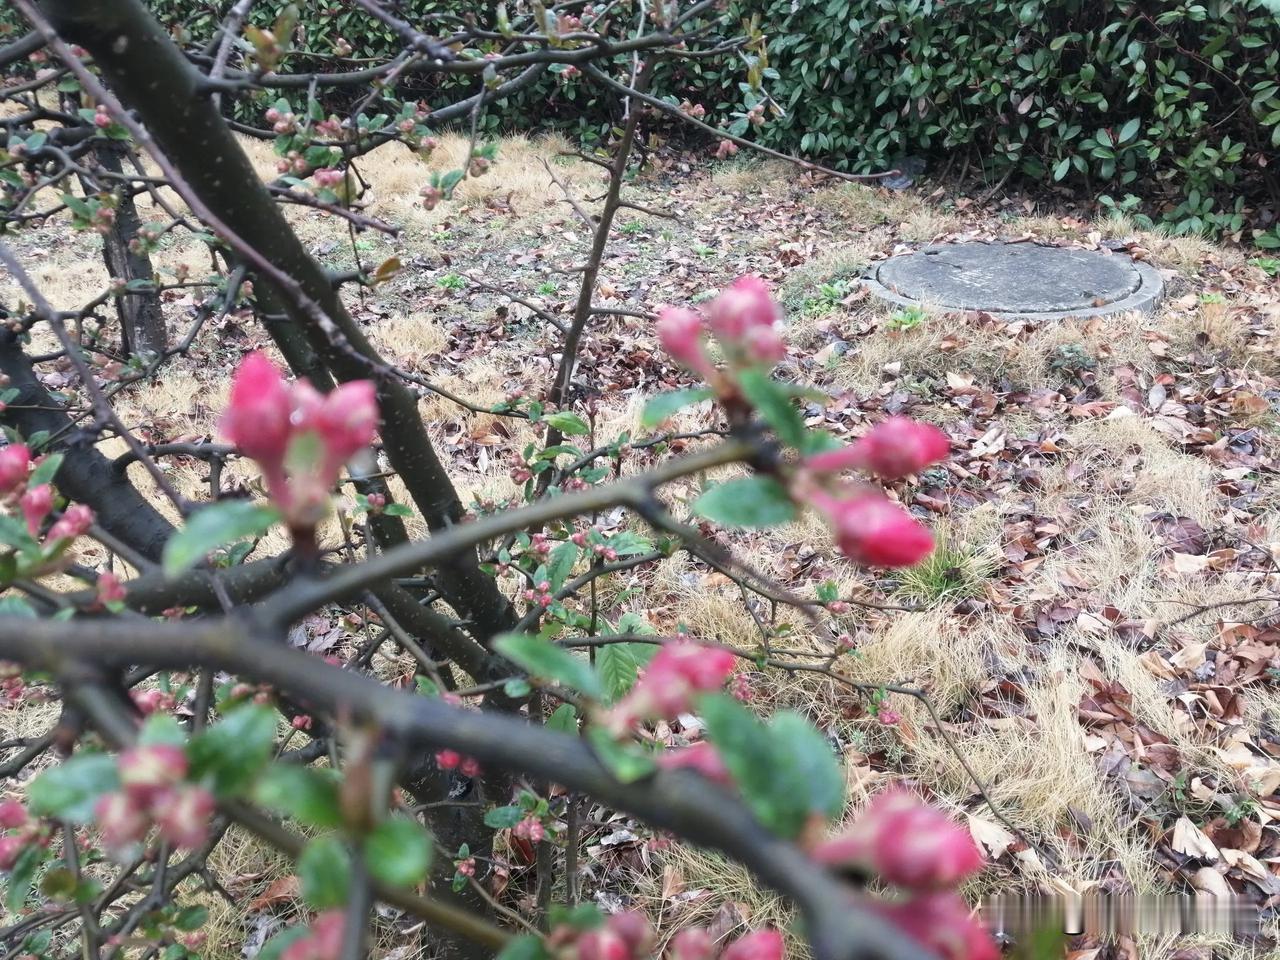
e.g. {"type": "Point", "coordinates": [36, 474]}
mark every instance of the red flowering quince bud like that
{"type": "Point", "coordinates": [36, 504]}
{"type": "Point", "coordinates": [680, 333]}
{"type": "Point", "coordinates": [148, 770]}
{"type": "Point", "coordinates": [602, 944]}
{"type": "Point", "coordinates": [182, 815]}
{"type": "Point", "coordinates": [11, 848]}
{"type": "Point", "coordinates": [757, 945]}
{"type": "Point", "coordinates": [122, 820]}
{"type": "Point", "coordinates": [75, 520]}
{"type": "Point", "coordinates": [111, 590]}
{"type": "Point", "coordinates": [906, 842]}
{"type": "Point", "coordinates": [746, 305]}
{"type": "Point", "coordinates": [673, 677]}
{"type": "Point", "coordinates": [872, 530]}
{"type": "Point", "coordinates": [943, 923]}
{"type": "Point", "coordinates": [12, 815]}
{"type": "Point", "coordinates": [15, 464]}
{"type": "Point", "coordinates": [700, 757]}
{"type": "Point", "coordinates": [692, 943]}
{"type": "Point", "coordinates": [259, 411]}
{"type": "Point", "coordinates": [635, 931]}
{"type": "Point", "coordinates": [324, 942]}
{"type": "Point", "coordinates": [300, 437]}
{"type": "Point", "coordinates": [894, 448]}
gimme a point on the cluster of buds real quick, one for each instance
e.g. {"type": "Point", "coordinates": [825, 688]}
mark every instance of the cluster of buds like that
{"type": "Point", "coordinates": [869, 528]}
{"type": "Point", "coordinates": [103, 219]}
{"type": "Point", "coordinates": [322, 941]}
{"type": "Point", "coordinates": [281, 121]}
{"type": "Point", "coordinates": [628, 935]}
{"type": "Point", "coordinates": [300, 438]}
{"type": "Point", "coordinates": [452, 760]}
{"type": "Point", "coordinates": [152, 701]}
{"type": "Point", "coordinates": [530, 828]}
{"type": "Point", "coordinates": [540, 544]}
{"type": "Point", "coordinates": [431, 196]}
{"type": "Point", "coordinates": [676, 674]}
{"type": "Point", "coordinates": [695, 110]}
{"type": "Point", "coordinates": [745, 319]}
{"type": "Point", "coordinates": [341, 47]}
{"type": "Point", "coordinates": [101, 117]}
{"type": "Point", "coordinates": [20, 832]}
{"type": "Point", "coordinates": [328, 177]}
{"type": "Point", "coordinates": [479, 166]}
{"type": "Point", "coordinates": [726, 149]}
{"type": "Point", "coordinates": [145, 241]}
{"type": "Point", "coordinates": [540, 593]}
{"type": "Point", "coordinates": [570, 72]}
{"type": "Point", "coordinates": [293, 162]}
{"type": "Point", "coordinates": [331, 127]}
{"type": "Point", "coordinates": [36, 503]}
{"type": "Point", "coordinates": [755, 116]}
{"type": "Point", "coordinates": [153, 793]}
{"type": "Point", "coordinates": [913, 846]}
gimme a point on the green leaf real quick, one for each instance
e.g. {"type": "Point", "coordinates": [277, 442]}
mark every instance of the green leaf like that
{"type": "Point", "coordinates": [277, 945]}
{"type": "Point", "coordinates": [162, 728]}
{"type": "Point", "coordinates": [564, 718]}
{"type": "Point", "coordinates": [753, 501]}
{"type": "Point", "coordinates": [570, 424]}
{"type": "Point", "coordinates": [525, 947]}
{"type": "Point", "coordinates": [230, 753]}
{"type": "Point", "coordinates": [16, 607]}
{"type": "Point", "coordinates": [786, 771]}
{"type": "Point", "coordinates": [191, 918]}
{"type": "Point", "coordinates": [44, 471]}
{"type": "Point", "coordinates": [306, 794]}
{"type": "Point", "coordinates": [807, 764]}
{"type": "Point", "coordinates": [215, 526]}
{"type": "Point", "coordinates": [503, 818]}
{"type": "Point", "coordinates": [398, 852]}
{"type": "Point", "coordinates": [324, 868]}
{"type": "Point", "coordinates": [69, 790]}
{"type": "Point", "coordinates": [543, 659]}
{"type": "Point", "coordinates": [14, 533]}
{"type": "Point", "coordinates": [560, 564]}
{"type": "Point", "coordinates": [22, 875]}
{"type": "Point", "coordinates": [772, 403]}
{"type": "Point", "coordinates": [618, 665]}
{"type": "Point", "coordinates": [627, 763]}
{"type": "Point", "coordinates": [664, 405]}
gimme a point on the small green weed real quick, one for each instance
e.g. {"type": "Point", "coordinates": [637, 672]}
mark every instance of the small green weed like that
{"type": "Point", "coordinates": [952, 572]}
{"type": "Point", "coordinates": [906, 319]}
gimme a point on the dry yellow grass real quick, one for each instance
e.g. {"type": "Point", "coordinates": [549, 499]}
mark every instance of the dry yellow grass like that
{"type": "Point", "coordinates": [1039, 766]}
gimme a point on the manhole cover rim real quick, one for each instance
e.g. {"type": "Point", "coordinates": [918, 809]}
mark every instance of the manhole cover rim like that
{"type": "Point", "coordinates": [1143, 296]}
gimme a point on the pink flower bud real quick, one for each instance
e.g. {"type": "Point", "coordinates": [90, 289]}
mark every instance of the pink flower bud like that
{"type": "Point", "coordinates": [257, 417]}
{"type": "Point", "coordinates": [691, 943]}
{"type": "Point", "coordinates": [12, 815]}
{"type": "Point", "coordinates": [634, 929]}
{"type": "Point", "coordinates": [602, 944]}
{"type": "Point", "coordinates": [101, 120]}
{"type": "Point", "coordinates": [75, 521]}
{"type": "Point", "coordinates": [346, 421]}
{"type": "Point", "coordinates": [182, 815]}
{"type": "Point", "coordinates": [448, 759]}
{"type": "Point", "coordinates": [36, 504]}
{"type": "Point", "coordinates": [680, 333]}
{"type": "Point", "coordinates": [726, 149]}
{"type": "Point", "coordinates": [147, 770]}
{"type": "Point", "coordinates": [701, 757]}
{"type": "Point", "coordinates": [906, 842]}
{"type": "Point", "coordinates": [943, 923]}
{"type": "Point", "coordinates": [871, 530]}
{"type": "Point", "coordinates": [745, 305]}
{"type": "Point", "coordinates": [894, 448]}
{"type": "Point", "coordinates": [469, 767]}
{"type": "Point", "coordinates": [530, 828]}
{"type": "Point", "coordinates": [764, 345]}
{"type": "Point", "coordinates": [121, 819]}
{"type": "Point", "coordinates": [110, 590]}
{"type": "Point", "coordinates": [10, 849]}
{"type": "Point", "coordinates": [151, 701]}
{"type": "Point", "coordinates": [757, 945]}
{"type": "Point", "coordinates": [676, 673]}
{"type": "Point", "coordinates": [328, 177]}
{"type": "Point", "coordinates": [15, 463]}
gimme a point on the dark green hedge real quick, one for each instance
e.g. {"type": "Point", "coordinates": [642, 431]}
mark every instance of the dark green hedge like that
{"type": "Point", "coordinates": [1176, 103]}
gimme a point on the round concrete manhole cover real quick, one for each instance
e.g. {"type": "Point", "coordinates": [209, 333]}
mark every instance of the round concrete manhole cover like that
{"type": "Point", "coordinates": [1017, 280]}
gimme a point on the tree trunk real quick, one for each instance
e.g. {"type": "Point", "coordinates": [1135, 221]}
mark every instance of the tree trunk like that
{"type": "Point", "coordinates": [142, 326]}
